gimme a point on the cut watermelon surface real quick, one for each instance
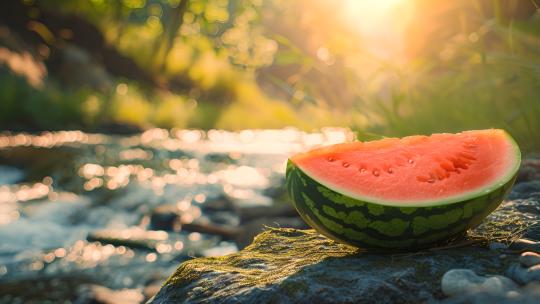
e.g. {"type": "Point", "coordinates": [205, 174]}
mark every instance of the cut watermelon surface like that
{"type": "Point", "coordinates": [422, 188]}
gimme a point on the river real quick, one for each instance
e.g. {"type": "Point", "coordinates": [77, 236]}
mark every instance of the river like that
{"type": "Point", "coordinates": [123, 211]}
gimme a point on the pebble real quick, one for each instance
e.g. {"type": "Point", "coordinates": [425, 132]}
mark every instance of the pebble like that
{"type": "Point", "coordinates": [524, 275]}
{"type": "Point", "coordinates": [528, 259]}
{"type": "Point", "coordinates": [460, 281]}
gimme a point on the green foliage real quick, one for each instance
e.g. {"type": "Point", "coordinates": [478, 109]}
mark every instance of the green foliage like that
{"type": "Point", "coordinates": [23, 106]}
{"type": "Point", "coordinates": [262, 64]}
{"type": "Point", "coordinates": [480, 87]}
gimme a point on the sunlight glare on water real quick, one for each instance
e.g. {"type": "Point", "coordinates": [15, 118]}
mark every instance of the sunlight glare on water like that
{"type": "Point", "coordinates": [104, 202]}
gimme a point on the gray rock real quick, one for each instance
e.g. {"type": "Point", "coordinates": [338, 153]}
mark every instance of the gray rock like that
{"type": "Point", "coordinates": [459, 281]}
{"type": "Point", "coordinates": [528, 259]}
{"type": "Point", "coordinates": [301, 266]}
{"type": "Point", "coordinates": [524, 275]}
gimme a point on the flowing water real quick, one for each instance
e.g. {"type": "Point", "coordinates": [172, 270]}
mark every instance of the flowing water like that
{"type": "Point", "coordinates": [79, 208]}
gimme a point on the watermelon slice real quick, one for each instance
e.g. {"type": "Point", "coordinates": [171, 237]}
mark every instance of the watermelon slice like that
{"type": "Point", "coordinates": [403, 193]}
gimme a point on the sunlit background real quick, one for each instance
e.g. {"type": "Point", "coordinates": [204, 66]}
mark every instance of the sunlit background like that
{"type": "Point", "coordinates": [136, 134]}
{"type": "Point", "coordinates": [383, 68]}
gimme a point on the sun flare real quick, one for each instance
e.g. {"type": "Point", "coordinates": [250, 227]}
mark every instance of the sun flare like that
{"type": "Point", "coordinates": [379, 22]}
{"type": "Point", "coordinates": [368, 14]}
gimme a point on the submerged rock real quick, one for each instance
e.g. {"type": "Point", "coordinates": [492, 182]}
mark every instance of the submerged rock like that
{"type": "Point", "coordinates": [301, 266]}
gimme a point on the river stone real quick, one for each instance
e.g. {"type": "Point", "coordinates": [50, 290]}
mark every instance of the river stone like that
{"type": "Point", "coordinates": [530, 294]}
{"type": "Point", "coordinates": [301, 266]}
{"type": "Point", "coordinates": [524, 275]}
{"type": "Point", "coordinates": [459, 281]}
{"type": "Point", "coordinates": [528, 259]}
{"type": "Point", "coordinates": [525, 245]}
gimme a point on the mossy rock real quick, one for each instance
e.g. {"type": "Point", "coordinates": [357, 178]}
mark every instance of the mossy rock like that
{"type": "Point", "coordinates": [302, 266]}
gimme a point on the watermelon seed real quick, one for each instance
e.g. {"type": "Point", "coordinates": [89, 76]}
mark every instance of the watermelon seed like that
{"type": "Point", "coordinates": [431, 180]}
{"type": "Point", "coordinates": [331, 159]}
{"type": "Point", "coordinates": [345, 164]}
{"type": "Point", "coordinates": [376, 172]}
{"type": "Point", "coordinates": [440, 173]}
{"type": "Point", "coordinates": [390, 170]}
{"type": "Point", "coordinates": [362, 170]}
{"type": "Point", "coordinates": [467, 155]}
{"type": "Point", "coordinates": [422, 178]}
{"type": "Point", "coordinates": [411, 161]}
{"type": "Point", "coordinates": [446, 165]}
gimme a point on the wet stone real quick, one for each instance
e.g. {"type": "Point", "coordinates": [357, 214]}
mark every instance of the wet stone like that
{"type": "Point", "coordinates": [524, 275]}
{"type": "Point", "coordinates": [459, 281]}
{"type": "Point", "coordinates": [528, 259]}
{"type": "Point", "coordinates": [525, 245]}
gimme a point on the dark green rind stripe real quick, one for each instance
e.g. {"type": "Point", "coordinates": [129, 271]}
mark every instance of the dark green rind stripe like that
{"type": "Point", "coordinates": [369, 225]}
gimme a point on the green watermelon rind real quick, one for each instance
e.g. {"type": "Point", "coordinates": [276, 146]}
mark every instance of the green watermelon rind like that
{"type": "Point", "coordinates": [371, 225]}
{"type": "Point", "coordinates": [500, 182]}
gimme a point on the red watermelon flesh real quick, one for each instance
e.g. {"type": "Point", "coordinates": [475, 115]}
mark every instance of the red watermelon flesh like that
{"type": "Point", "coordinates": [416, 170]}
